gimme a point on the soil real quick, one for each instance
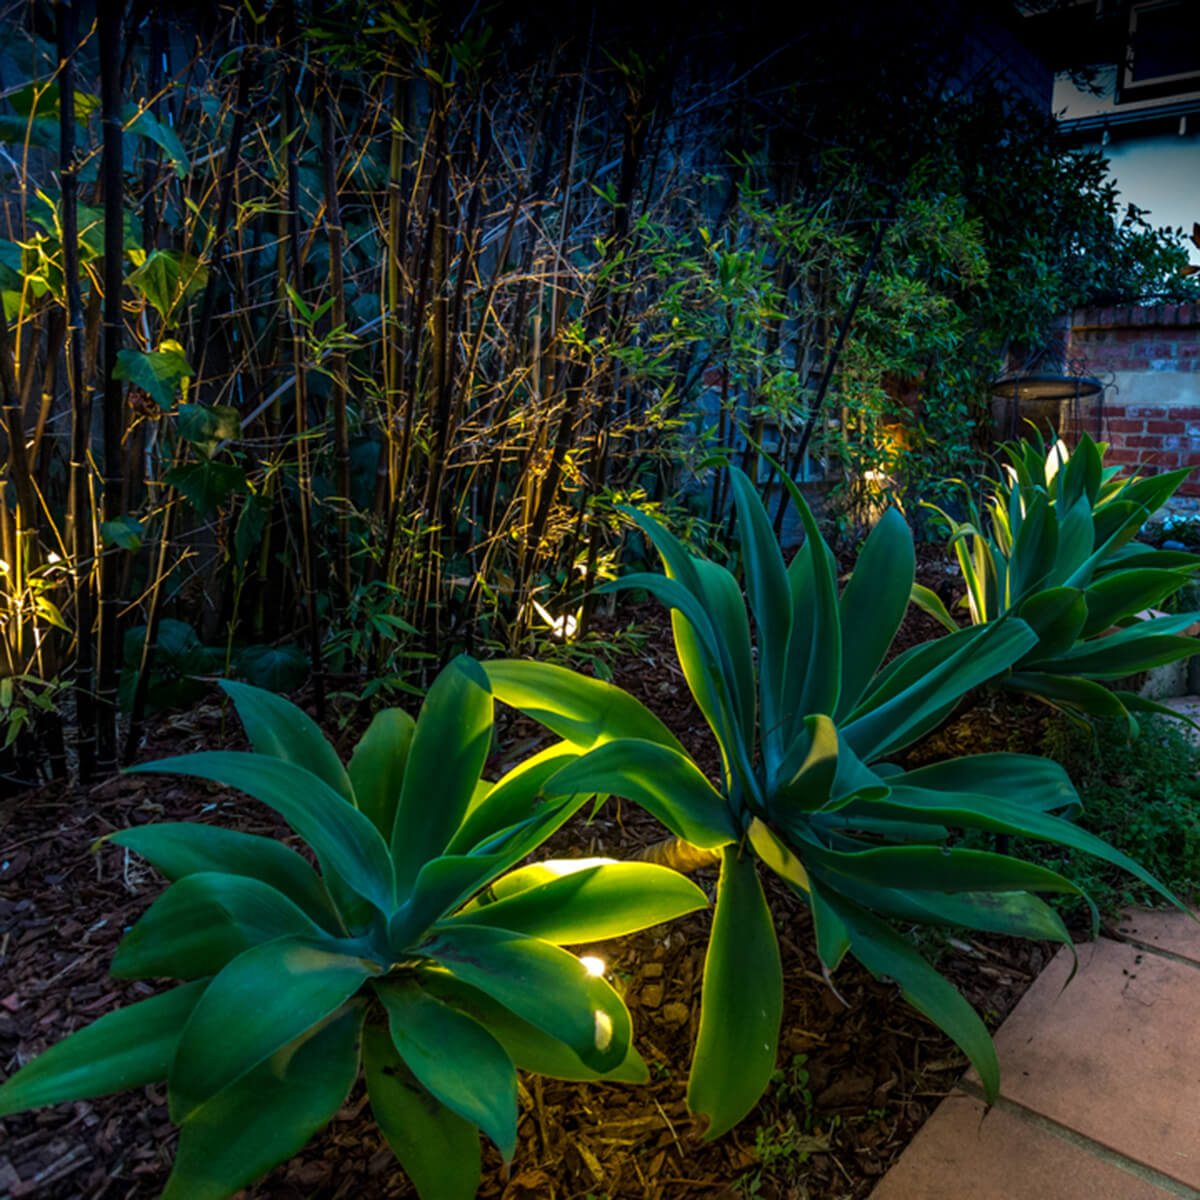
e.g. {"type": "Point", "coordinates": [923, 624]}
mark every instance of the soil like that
{"type": "Point", "coordinates": [860, 1070]}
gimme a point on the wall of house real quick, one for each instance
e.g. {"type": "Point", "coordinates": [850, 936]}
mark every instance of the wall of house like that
{"type": "Point", "coordinates": [1148, 357]}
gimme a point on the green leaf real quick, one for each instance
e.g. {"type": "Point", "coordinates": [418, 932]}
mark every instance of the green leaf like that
{"type": "Point", "coordinates": [450, 746]}
{"type": "Point", "coordinates": [207, 485]}
{"type": "Point", "coordinates": [123, 1049]}
{"type": "Point", "coordinates": [666, 783]}
{"type": "Point", "coordinates": [873, 604]}
{"type": "Point", "coordinates": [455, 1059]}
{"type": "Point", "coordinates": [1025, 779]}
{"type": "Point", "coordinates": [274, 668]}
{"type": "Point", "coordinates": [346, 843]}
{"type": "Point", "coordinates": [1125, 653]}
{"type": "Point", "coordinates": [376, 769]}
{"type": "Point", "coordinates": [541, 984]}
{"type": "Point", "coordinates": [278, 728]}
{"type": "Point", "coordinates": [931, 602]}
{"type": "Point", "coordinates": [180, 848]}
{"type": "Point", "coordinates": [125, 531]}
{"type": "Point", "coordinates": [158, 373]}
{"type": "Point", "coordinates": [269, 1114]}
{"type": "Point", "coordinates": [586, 712]}
{"type": "Point", "coordinates": [1125, 593]}
{"type": "Point", "coordinates": [204, 921]}
{"type": "Point", "coordinates": [1056, 616]}
{"type": "Point", "coordinates": [145, 124]}
{"type": "Point", "coordinates": [884, 953]}
{"type": "Point", "coordinates": [586, 900]}
{"type": "Point", "coordinates": [167, 279]}
{"type": "Point", "coordinates": [1067, 692]}
{"type": "Point", "coordinates": [742, 1002]}
{"type": "Point", "coordinates": [438, 1150]}
{"type": "Point", "coordinates": [206, 426]}
{"type": "Point", "coordinates": [251, 522]}
{"type": "Point", "coordinates": [262, 1001]}
{"type": "Point", "coordinates": [529, 1048]}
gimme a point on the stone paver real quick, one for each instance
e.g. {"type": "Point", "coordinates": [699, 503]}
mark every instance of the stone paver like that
{"type": "Point", "coordinates": [958, 1155]}
{"type": "Point", "coordinates": [1115, 1057]}
{"type": "Point", "coordinates": [1173, 931]}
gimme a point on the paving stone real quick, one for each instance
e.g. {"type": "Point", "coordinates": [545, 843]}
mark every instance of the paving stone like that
{"type": "Point", "coordinates": [956, 1157]}
{"type": "Point", "coordinates": [1173, 931]}
{"type": "Point", "coordinates": [1116, 1056]}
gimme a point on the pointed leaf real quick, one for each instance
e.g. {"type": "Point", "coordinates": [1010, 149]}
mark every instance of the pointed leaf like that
{"type": "Point", "coordinates": [376, 769]}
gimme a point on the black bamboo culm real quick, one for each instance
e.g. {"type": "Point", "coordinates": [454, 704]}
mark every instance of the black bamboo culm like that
{"type": "Point", "coordinates": [111, 172]}
{"type": "Point", "coordinates": [79, 497]}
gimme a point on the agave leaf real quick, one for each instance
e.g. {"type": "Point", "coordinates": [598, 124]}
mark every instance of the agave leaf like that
{"type": "Point", "coordinates": [665, 783]}
{"type": "Point", "coordinates": [1067, 692]}
{"type": "Point", "coordinates": [767, 591]}
{"type": "Point", "coordinates": [1024, 779]}
{"type": "Point", "coordinates": [269, 1114]}
{"type": "Point", "coordinates": [181, 848]}
{"type": "Point", "coordinates": [724, 600]}
{"type": "Point", "coordinates": [541, 984]}
{"type": "Point", "coordinates": [124, 1049]}
{"type": "Point", "coordinates": [263, 1000]}
{"type": "Point", "coordinates": [808, 772]}
{"type": "Point", "coordinates": [1120, 595]}
{"type": "Point", "coordinates": [437, 1148]}
{"type": "Point", "coordinates": [873, 604]}
{"type": "Point", "coordinates": [516, 797]}
{"type": "Point", "coordinates": [591, 902]}
{"type": "Point", "coordinates": [586, 712]}
{"type": "Point", "coordinates": [930, 602]}
{"type": "Point", "coordinates": [377, 766]}
{"type": "Point", "coordinates": [743, 1001]}
{"type": "Point", "coordinates": [450, 746]}
{"type": "Point", "coordinates": [1122, 654]}
{"type": "Point", "coordinates": [528, 1047]}
{"type": "Point", "coordinates": [1056, 616]}
{"type": "Point", "coordinates": [1034, 551]}
{"type": "Point", "coordinates": [276, 727]}
{"type": "Point", "coordinates": [346, 843]}
{"type": "Point", "coordinates": [1076, 542]}
{"type": "Point", "coordinates": [884, 953]}
{"type": "Point", "coordinates": [455, 1059]}
{"type": "Point", "coordinates": [203, 922]}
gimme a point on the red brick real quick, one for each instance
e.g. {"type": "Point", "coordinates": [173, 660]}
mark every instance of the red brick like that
{"type": "Point", "coordinates": [1120, 426]}
{"type": "Point", "coordinates": [1125, 335]}
{"type": "Point", "coordinates": [1129, 364]}
{"type": "Point", "coordinates": [1186, 414]}
{"type": "Point", "coordinates": [1124, 457]}
{"type": "Point", "coordinates": [1141, 411]}
{"type": "Point", "coordinates": [1114, 410]}
{"type": "Point", "coordinates": [1164, 426]}
{"type": "Point", "coordinates": [1189, 487]}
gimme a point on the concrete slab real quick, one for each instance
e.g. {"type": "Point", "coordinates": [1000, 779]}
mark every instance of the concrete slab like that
{"type": "Point", "coordinates": [1115, 1057]}
{"type": "Point", "coordinates": [1172, 931]}
{"type": "Point", "coordinates": [958, 1155]}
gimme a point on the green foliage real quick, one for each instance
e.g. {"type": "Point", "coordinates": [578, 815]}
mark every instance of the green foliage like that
{"type": "Point", "coordinates": [416, 954]}
{"type": "Point", "coordinates": [1057, 550]}
{"type": "Point", "coordinates": [1141, 796]}
{"type": "Point", "coordinates": [805, 735]}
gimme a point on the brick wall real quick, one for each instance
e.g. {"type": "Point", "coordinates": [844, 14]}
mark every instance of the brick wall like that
{"type": "Point", "coordinates": [1148, 356]}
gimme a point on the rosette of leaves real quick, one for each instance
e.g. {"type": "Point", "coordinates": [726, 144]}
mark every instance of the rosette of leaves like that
{"type": "Point", "coordinates": [415, 954]}
{"type": "Point", "coordinates": [808, 723]}
{"type": "Point", "coordinates": [1056, 548]}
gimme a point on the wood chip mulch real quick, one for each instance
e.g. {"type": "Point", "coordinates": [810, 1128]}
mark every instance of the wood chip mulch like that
{"type": "Point", "coordinates": [859, 1070]}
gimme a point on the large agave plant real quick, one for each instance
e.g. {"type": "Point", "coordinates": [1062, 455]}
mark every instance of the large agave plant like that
{"type": "Point", "coordinates": [1057, 549]}
{"type": "Point", "coordinates": [417, 955]}
{"type": "Point", "coordinates": [808, 723]}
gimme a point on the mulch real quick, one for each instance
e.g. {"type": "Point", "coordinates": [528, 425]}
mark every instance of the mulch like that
{"type": "Point", "coordinates": [860, 1070]}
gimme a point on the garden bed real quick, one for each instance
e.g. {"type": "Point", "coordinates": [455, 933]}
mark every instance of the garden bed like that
{"type": "Point", "coordinates": [860, 1069]}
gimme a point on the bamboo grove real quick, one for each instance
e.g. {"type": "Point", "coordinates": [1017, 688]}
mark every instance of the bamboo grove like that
{"type": "Point", "coordinates": [336, 334]}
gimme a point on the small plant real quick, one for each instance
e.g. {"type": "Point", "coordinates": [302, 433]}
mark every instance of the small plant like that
{"type": "Point", "coordinates": [1057, 550]}
{"type": "Point", "coordinates": [807, 729]}
{"type": "Point", "coordinates": [416, 954]}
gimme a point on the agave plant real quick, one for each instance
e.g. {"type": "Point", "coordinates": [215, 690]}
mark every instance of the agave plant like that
{"type": "Point", "coordinates": [807, 727]}
{"type": "Point", "coordinates": [1057, 550]}
{"type": "Point", "coordinates": [416, 954]}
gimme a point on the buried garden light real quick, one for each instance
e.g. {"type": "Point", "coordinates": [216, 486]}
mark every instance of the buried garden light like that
{"type": "Point", "coordinates": [806, 730]}
{"type": "Point", "coordinates": [417, 954]}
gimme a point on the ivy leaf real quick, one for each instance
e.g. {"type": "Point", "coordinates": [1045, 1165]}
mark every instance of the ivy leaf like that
{"type": "Point", "coordinates": [276, 668]}
{"type": "Point", "coordinates": [168, 279]}
{"type": "Point", "coordinates": [146, 125]}
{"type": "Point", "coordinates": [206, 426]}
{"type": "Point", "coordinates": [125, 531]}
{"type": "Point", "coordinates": [207, 485]}
{"type": "Point", "coordinates": [158, 373]}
